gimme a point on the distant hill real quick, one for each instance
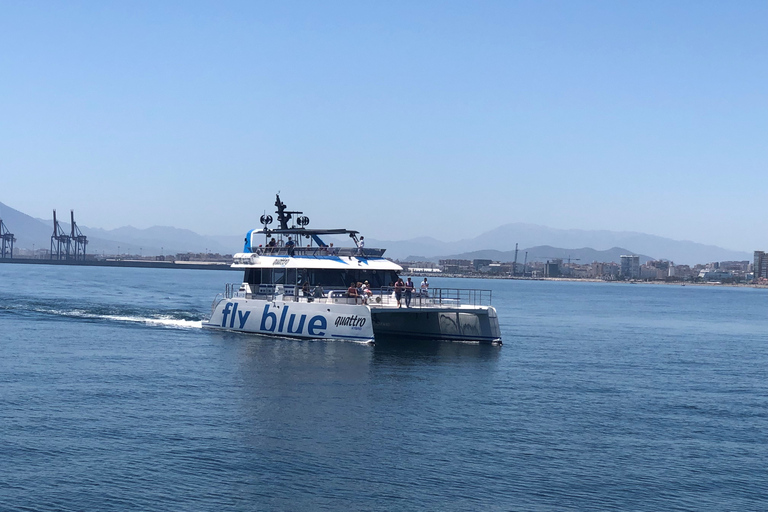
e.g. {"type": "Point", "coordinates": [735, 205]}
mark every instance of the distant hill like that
{"type": "Point", "coordinates": [163, 239]}
{"type": "Point", "coordinates": [126, 240]}
{"type": "Point", "coordinates": [531, 236]}
{"type": "Point", "coordinates": [541, 242]}
{"type": "Point", "coordinates": [543, 253]}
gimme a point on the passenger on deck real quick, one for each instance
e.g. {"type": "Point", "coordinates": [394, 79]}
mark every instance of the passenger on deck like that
{"type": "Point", "coordinates": [425, 288]}
{"type": "Point", "coordinates": [408, 292]}
{"type": "Point", "coordinates": [367, 289]}
{"type": "Point", "coordinates": [352, 292]}
{"type": "Point", "coordinates": [305, 289]}
{"type": "Point", "coordinates": [291, 246]}
{"type": "Point", "coordinates": [271, 246]}
{"type": "Point", "coordinates": [361, 293]}
{"type": "Point", "coordinates": [361, 246]}
{"type": "Point", "coordinates": [399, 287]}
{"type": "Point", "coordinates": [318, 292]}
{"type": "Point", "coordinates": [332, 250]}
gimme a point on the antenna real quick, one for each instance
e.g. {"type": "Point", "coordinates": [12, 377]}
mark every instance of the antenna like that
{"type": "Point", "coordinates": [283, 215]}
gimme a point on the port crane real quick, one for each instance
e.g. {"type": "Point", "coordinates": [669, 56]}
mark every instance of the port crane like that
{"type": "Point", "coordinates": [61, 242]}
{"type": "Point", "coordinates": [7, 240]}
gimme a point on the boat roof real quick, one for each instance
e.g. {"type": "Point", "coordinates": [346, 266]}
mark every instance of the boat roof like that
{"type": "Point", "coordinates": [305, 231]}
{"type": "Point", "coordinates": [246, 260]}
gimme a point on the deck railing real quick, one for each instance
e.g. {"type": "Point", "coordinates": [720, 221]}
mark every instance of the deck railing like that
{"type": "Point", "coordinates": [435, 297]}
{"type": "Point", "coordinates": [318, 251]}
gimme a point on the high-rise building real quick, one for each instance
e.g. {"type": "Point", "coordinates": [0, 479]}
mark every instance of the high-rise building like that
{"type": "Point", "coordinates": [630, 266]}
{"type": "Point", "coordinates": [761, 264]}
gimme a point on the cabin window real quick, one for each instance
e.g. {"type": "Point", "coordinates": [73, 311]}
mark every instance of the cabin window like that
{"type": "Point", "coordinates": [329, 279]}
{"type": "Point", "coordinates": [252, 276]}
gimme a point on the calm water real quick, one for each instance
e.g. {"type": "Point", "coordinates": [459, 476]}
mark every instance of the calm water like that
{"type": "Point", "coordinates": [603, 397]}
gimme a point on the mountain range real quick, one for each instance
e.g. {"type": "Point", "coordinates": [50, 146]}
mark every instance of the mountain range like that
{"type": "Point", "coordinates": [540, 242]}
{"type": "Point", "coordinates": [531, 238]}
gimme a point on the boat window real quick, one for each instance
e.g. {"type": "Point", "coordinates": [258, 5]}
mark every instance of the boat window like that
{"type": "Point", "coordinates": [327, 278]}
{"type": "Point", "coordinates": [252, 276]}
{"type": "Point", "coordinates": [278, 276]}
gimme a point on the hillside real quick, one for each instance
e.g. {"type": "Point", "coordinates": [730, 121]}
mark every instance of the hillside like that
{"type": "Point", "coordinates": [544, 253]}
{"type": "Point", "coordinates": [541, 242]}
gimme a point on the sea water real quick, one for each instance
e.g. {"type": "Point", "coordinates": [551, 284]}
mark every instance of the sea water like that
{"type": "Point", "coordinates": [603, 397]}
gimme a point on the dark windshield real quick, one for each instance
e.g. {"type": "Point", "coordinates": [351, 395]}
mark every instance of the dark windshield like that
{"type": "Point", "coordinates": [329, 279]}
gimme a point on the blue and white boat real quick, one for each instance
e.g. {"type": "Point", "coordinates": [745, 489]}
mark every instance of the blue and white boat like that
{"type": "Point", "coordinates": [297, 285]}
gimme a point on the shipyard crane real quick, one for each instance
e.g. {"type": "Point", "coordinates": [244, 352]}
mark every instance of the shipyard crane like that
{"type": "Point", "coordinates": [79, 240]}
{"type": "Point", "coordinates": [61, 242]}
{"type": "Point", "coordinates": [7, 240]}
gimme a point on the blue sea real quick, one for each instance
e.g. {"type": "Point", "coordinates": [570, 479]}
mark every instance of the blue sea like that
{"type": "Point", "coordinates": [603, 397]}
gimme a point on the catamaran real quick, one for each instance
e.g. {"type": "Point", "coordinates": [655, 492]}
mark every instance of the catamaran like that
{"type": "Point", "coordinates": [297, 284]}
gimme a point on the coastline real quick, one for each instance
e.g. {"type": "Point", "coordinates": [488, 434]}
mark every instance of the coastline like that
{"type": "Point", "coordinates": [215, 265]}
{"type": "Point", "coordinates": [584, 280]}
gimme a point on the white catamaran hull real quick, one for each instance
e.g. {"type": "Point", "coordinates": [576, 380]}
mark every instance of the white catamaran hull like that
{"type": "Point", "coordinates": [293, 319]}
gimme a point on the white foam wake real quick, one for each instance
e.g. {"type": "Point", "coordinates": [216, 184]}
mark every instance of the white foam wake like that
{"type": "Point", "coordinates": [163, 321]}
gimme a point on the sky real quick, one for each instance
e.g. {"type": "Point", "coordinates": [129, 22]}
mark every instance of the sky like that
{"type": "Point", "coordinates": [398, 119]}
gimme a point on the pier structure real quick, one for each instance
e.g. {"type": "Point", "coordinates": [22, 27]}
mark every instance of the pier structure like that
{"type": "Point", "coordinates": [7, 238]}
{"type": "Point", "coordinates": [77, 239]}
{"type": "Point", "coordinates": [61, 242]}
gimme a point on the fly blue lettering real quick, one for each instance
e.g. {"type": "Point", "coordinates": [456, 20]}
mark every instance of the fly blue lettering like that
{"type": "Point", "coordinates": [271, 323]}
{"type": "Point", "coordinates": [230, 310]}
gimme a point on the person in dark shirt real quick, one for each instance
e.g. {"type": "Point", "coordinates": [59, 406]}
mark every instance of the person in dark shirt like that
{"type": "Point", "coordinates": [291, 246]}
{"type": "Point", "coordinates": [399, 286]}
{"type": "Point", "coordinates": [408, 292]}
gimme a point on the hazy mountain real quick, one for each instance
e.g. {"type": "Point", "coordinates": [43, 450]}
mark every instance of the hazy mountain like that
{"type": "Point", "coordinates": [504, 238]}
{"type": "Point", "coordinates": [26, 229]}
{"type": "Point", "coordinates": [163, 239]}
{"type": "Point", "coordinates": [126, 240]}
{"type": "Point", "coordinates": [544, 253]}
{"type": "Point", "coordinates": [604, 245]}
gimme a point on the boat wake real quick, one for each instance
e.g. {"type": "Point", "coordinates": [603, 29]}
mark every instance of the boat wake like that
{"type": "Point", "coordinates": [174, 319]}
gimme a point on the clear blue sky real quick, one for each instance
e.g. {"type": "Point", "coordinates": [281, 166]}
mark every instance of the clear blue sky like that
{"type": "Point", "coordinates": [399, 119]}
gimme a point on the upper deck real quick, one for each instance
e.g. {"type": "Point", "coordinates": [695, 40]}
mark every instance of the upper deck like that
{"type": "Point", "coordinates": [304, 258]}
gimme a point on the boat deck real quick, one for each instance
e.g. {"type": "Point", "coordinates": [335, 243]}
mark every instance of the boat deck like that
{"type": "Point", "coordinates": [436, 298]}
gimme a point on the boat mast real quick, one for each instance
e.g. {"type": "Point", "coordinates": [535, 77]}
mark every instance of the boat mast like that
{"type": "Point", "coordinates": [283, 216]}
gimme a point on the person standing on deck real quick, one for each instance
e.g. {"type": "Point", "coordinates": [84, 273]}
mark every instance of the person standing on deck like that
{"type": "Point", "coordinates": [361, 246]}
{"type": "Point", "coordinates": [361, 293]}
{"type": "Point", "coordinates": [408, 292]}
{"type": "Point", "coordinates": [290, 245]}
{"type": "Point", "coordinates": [399, 286]}
{"type": "Point", "coordinates": [425, 288]}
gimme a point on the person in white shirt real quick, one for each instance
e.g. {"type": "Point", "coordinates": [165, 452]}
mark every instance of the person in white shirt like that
{"type": "Point", "coordinates": [425, 288]}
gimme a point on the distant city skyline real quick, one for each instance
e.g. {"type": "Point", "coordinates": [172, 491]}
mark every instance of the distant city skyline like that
{"type": "Point", "coordinates": [399, 120]}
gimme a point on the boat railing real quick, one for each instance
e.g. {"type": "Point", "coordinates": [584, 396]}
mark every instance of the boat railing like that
{"type": "Point", "coordinates": [218, 298]}
{"type": "Point", "coordinates": [437, 297]}
{"type": "Point", "coordinates": [230, 290]}
{"type": "Point", "coordinates": [434, 297]}
{"type": "Point", "coordinates": [319, 251]}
